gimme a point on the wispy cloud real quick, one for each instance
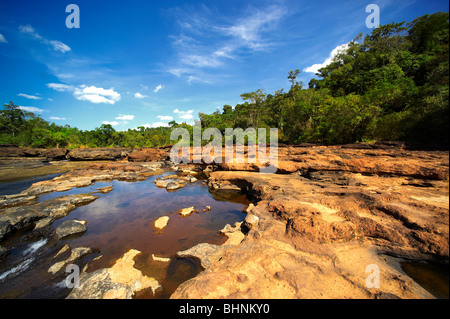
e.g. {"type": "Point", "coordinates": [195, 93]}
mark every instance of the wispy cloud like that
{"type": "Point", "coordinates": [159, 87]}
{"type": "Point", "coordinates": [92, 94]}
{"type": "Point", "coordinates": [2, 39]}
{"type": "Point", "coordinates": [28, 96]}
{"type": "Point", "coordinates": [57, 118]}
{"type": "Point", "coordinates": [316, 67]}
{"type": "Point", "coordinates": [54, 44]}
{"type": "Point", "coordinates": [209, 41]}
{"type": "Point", "coordinates": [125, 117]}
{"type": "Point", "coordinates": [165, 117]}
{"type": "Point", "coordinates": [32, 109]}
{"type": "Point", "coordinates": [139, 95]}
{"type": "Point", "coordinates": [250, 31]}
{"type": "Point", "coordinates": [113, 123]}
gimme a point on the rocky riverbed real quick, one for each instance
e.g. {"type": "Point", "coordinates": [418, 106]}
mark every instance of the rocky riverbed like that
{"type": "Point", "coordinates": [319, 228]}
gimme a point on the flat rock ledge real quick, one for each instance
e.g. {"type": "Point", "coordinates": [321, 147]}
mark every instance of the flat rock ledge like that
{"type": "Point", "coordinates": [317, 231]}
{"type": "Point", "coordinates": [121, 281]}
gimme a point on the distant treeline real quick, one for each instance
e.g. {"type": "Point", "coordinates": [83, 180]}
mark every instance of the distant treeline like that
{"type": "Point", "coordinates": [393, 84]}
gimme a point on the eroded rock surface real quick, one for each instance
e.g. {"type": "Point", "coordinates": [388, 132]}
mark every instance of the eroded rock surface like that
{"type": "Point", "coordinates": [121, 281]}
{"type": "Point", "coordinates": [314, 232]}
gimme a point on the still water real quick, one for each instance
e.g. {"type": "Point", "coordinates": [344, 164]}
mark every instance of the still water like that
{"type": "Point", "coordinates": [116, 222]}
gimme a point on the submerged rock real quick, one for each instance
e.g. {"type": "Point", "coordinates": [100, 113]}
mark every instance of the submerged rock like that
{"type": "Point", "coordinates": [70, 227]}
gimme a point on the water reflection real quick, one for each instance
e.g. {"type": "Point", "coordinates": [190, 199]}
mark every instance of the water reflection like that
{"type": "Point", "coordinates": [122, 220]}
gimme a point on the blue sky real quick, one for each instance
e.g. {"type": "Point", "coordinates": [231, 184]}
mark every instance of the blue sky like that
{"type": "Point", "coordinates": [134, 63]}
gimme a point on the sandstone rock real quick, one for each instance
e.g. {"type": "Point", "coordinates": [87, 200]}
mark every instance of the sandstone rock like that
{"type": "Point", "coordinates": [65, 248]}
{"type": "Point", "coordinates": [312, 235]}
{"type": "Point", "coordinates": [70, 227]}
{"type": "Point", "coordinates": [42, 223]}
{"type": "Point", "coordinates": [205, 252]}
{"type": "Point", "coordinates": [161, 222]}
{"type": "Point", "coordinates": [120, 281]}
{"type": "Point", "coordinates": [16, 200]}
{"type": "Point", "coordinates": [50, 154]}
{"type": "Point", "coordinates": [105, 190]}
{"type": "Point", "coordinates": [98, 285]}
{"type": "Point", "coordinates": [161, 183]}
{"type": "Point", "coordinates": [147, 155]}
{"type": "Point", "coordinates": [16, 218]}
{"type": "Point", "coordinates": [83, 154]}
{"type": "Point", "coordinates": [54, 154]}
{"type": "Point", "coordinates": [251, 221]}
{"type": "Point", "coordinates": [186, 211]}
{"type": "Point", "coordinates": [172, 186]}
{"type": "Point", "coordinates": [76, 253]}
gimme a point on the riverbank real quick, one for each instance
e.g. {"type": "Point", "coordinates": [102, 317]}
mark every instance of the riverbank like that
{"type": "Point", "coordinates": [317, 228]}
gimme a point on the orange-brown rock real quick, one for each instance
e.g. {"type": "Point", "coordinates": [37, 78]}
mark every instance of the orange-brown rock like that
{"type": "Point", "coordinates": [317, 232]}
{"type": "Point", "coordinates": [147, 155]}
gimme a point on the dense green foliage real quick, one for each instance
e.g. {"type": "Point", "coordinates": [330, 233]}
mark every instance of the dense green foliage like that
{"type": "Point", "coordinates": [393, 84]}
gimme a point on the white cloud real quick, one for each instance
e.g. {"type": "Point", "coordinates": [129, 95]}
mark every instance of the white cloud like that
{"type": "Point", "coordinates": [92, 94]}
{"type": "Point", "coordinates": [139, 95]}
{"type": "Point", "coordinates": [55, 44]}
{"type": "Point", "coordinates": [2, 39]}
{"type": "Point", "coordinates": [185, 115]}
{"type": "Point", "coordinates": [31, 97]}
{"type": "Point", "coordinates": [159, 124]}
{"type": "Point", "coordinates": [204, 43]}
{"type": "Point", "coordinates": [32, 109]}
{"type": "Point", "coordinates": [125, 117]}
{"type": "Point", "coordinates": [28, 29]}
{"type": "Point", "coordinates": [249, 29]}
{"type": "Point", "coordinates": [59, 46]}
{"type": "Point", "coordinates": [315, 67]}
{"type": "Point", "coordinates": [113, 123]}
{"type": "Point", "coordinates": [159, 87]}
{"type": "Point", "coordinates": [165, 118]}
{"type": "Point", "coordinates": [61, 87]}
{"type": "Point", "coordinates": [57, 118]}
{"type": "Point", "coordinates": [155, 124]}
